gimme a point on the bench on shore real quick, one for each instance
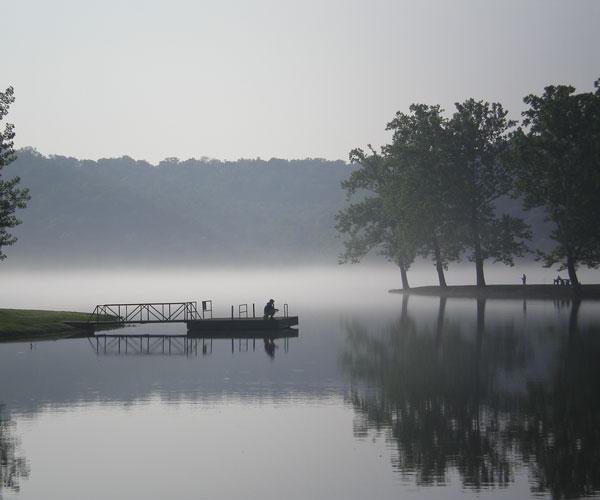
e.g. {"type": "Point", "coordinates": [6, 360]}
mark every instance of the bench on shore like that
{"type": "Point", "coordinates": [562, 282]}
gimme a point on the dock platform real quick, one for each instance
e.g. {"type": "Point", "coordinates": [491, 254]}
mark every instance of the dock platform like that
{"type": "Point", "coordinates": [109, 316]}
{"type": "Point", "coordinates": [199, 327]}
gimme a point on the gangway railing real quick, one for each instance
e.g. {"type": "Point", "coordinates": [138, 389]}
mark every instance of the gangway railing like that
{"type": "Point", "coordinates": [207, 308]}
{"type": "Point", "coordinates": [149, 312]}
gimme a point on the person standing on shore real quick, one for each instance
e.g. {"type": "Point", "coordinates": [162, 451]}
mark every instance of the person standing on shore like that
{"type": "Point", "coordinates": [524, 279]}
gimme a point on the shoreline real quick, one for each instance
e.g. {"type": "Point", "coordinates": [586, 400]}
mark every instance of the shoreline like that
{"type": "Point", "coordinates": [504, 291]}
{"type": "Point", "coordinates": [20, 325]}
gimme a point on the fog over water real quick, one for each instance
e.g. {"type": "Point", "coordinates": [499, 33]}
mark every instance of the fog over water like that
{"type": "Point", "coordinates": [346, 286]}
{"type": "Point", "coordinates": [329, 414]}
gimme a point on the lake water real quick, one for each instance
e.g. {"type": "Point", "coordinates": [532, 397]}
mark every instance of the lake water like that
{"type": "Point", "coordinates": [379, 396]}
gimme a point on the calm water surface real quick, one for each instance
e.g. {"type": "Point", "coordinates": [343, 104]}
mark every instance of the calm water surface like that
{"type": "Point", "coordinates": [382, 398]}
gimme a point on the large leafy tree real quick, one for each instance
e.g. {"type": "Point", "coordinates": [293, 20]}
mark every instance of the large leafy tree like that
{"type": "Point", "coordinates": [11, 196]}
{"type": "Point", "coordinates": [558, 168]}
{"type": "Point", "coordinates": [478, 135]}
{"type": "Point", "coordinates": [369, 223]}
{"type": "Point", "coordinates": [419, 188]}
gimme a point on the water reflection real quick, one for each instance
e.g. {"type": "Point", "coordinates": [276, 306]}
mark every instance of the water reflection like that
{"type": "Point", "coordinates": [454, 395]}
{"type": "Point", "coordinates": [185, 345]}
{"type": "Point", "coordinates": [13, 467]}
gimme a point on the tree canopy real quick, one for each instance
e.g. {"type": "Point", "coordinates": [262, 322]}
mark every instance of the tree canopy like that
{"type": "Point", "coordinates": [11, 196]}
{"type": "Point", "coordinates": [373, 222]}
{"type": "Point", "coordinates": [557, 166]}
{"type": "Point", "coordinates": [435, 189]}
{"type": "Point", "coordinates": [480, 176]}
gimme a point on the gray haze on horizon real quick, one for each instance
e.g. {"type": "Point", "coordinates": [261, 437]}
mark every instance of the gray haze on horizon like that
{"type": "Point", "coordinates": [273, 78]}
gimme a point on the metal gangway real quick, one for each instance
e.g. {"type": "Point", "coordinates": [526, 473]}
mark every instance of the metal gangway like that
{"type": "Point", "coordinates": [147, 312]}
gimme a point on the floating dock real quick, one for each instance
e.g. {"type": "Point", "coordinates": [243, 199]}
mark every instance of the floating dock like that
{"type": "Point", "coordinates": [201, 326]}
{"type": "Point", "coordinates": [107, 316]}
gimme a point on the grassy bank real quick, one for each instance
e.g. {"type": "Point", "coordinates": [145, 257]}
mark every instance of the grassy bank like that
{"type": "Point", "coordinates": [22, 324]}
{"type": "Point", "coordinates": [505, 291]}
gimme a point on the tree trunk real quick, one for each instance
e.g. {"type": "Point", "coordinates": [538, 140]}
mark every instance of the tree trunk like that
{"type": "Point", "coordinates": [405, 285]}
{"type": "Point", "coordinates": [479, 265]}
{"type": "Point", "coordinates": [439, 265]}
{"type": "Point", "coordinates": [572, 271]}
{"type": "Point", "coordinates": [480, 278]}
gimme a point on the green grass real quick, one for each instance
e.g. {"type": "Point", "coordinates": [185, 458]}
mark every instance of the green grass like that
{"type": "Point", "coordinates": [20, 323]}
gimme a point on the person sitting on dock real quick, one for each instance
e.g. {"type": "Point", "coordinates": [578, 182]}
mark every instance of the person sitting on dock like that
{"type": "Point", "coordinates": [270, 309]}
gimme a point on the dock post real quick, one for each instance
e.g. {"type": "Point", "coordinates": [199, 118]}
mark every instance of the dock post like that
{"type": "Point", "coordinates": [231, 312]}
{"type": "Point", "coordinates": [253, 312]}
{"type": "Point", "coordinates": [254, 344]}
{"type": "Point", "coordinates": [97, 345]}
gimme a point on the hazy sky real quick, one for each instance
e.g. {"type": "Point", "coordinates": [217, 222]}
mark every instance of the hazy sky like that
{"type": "Point", "coordinates": [289, 79]}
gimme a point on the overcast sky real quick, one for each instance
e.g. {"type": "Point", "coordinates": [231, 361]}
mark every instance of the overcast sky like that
{"type": "Point", "coordinates": [273, 78]}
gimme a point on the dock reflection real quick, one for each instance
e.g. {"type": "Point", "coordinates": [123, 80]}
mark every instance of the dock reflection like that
{"type": "Point", "coordinates": [186, 345]}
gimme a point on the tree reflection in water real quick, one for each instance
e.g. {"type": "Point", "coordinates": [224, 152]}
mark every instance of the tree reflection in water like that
{"type": "Point", "coordinates": [440, 394]}
{"type": "Point", "coordinates": [12, 467]}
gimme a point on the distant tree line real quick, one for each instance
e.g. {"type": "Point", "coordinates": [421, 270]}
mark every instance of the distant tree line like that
{"type": "Point", "coordinates": [195, 212]}
{"type": "Point", "coordinates": [434, 191]}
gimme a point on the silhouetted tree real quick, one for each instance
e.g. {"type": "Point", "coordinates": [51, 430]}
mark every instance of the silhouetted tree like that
{"type": "Point", "coordinates": [11, 196]}
{"type": "Point", "coordinates": [369, 222]}
{"type": "Point", "coordinates": [558, 168]}
{"type": "Point", "coordinates": [478, 134]}
{"type": "Point", "coordinates": [419, 183]}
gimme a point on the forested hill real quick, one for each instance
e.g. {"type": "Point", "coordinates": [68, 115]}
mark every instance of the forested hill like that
{"type": "Point", "coordinates": [196, 212]}
{"type": "Point", "coordinates": [178, 212]}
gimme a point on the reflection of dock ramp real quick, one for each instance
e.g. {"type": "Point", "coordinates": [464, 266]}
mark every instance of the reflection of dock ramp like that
{"type": "Point", "coordinates": [183, 345]}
